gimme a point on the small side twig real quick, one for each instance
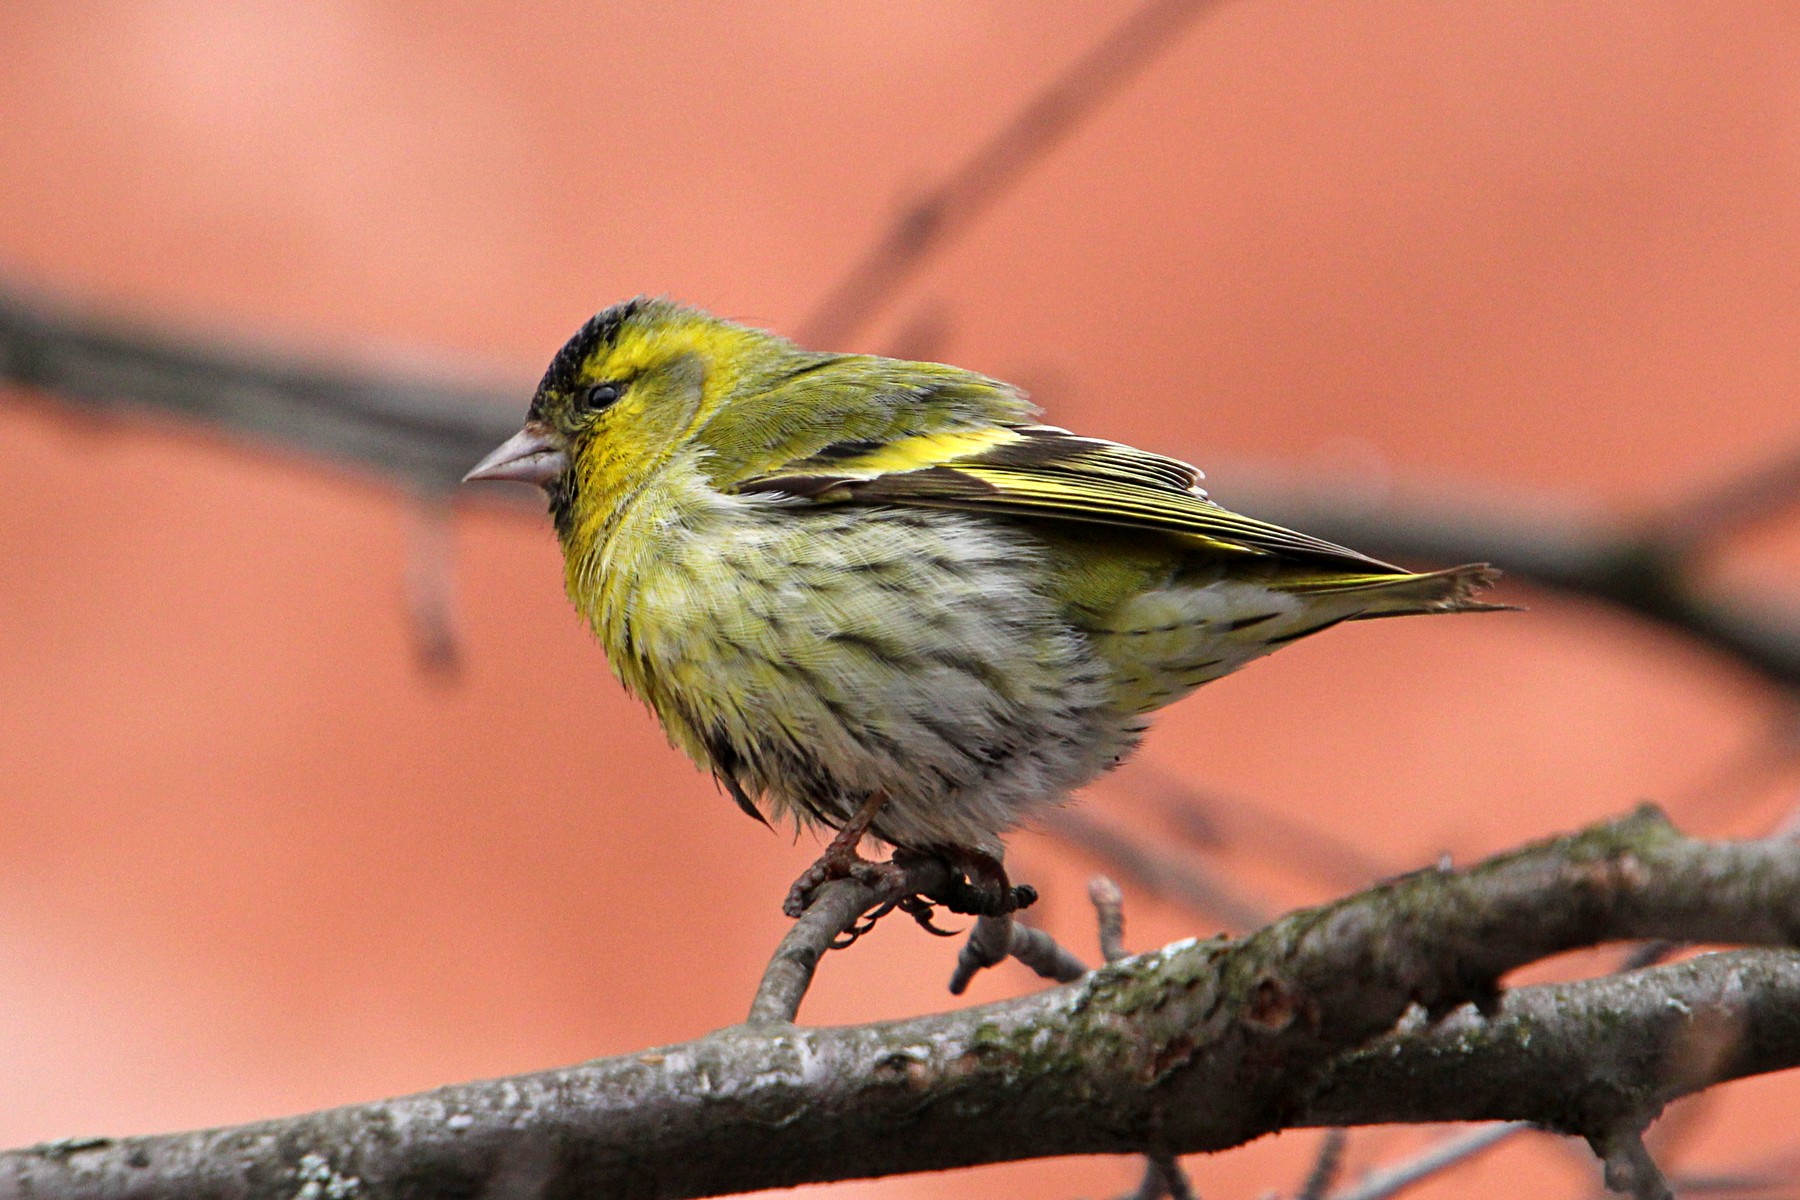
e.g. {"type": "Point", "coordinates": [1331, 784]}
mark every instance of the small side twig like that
{"type": "Point", "coordinates": [431, 586]}
{"type": "Point", "coordinates": [1433, 1160]}
{"type": "Point", "coordinates": [1109, 913]}
{"type": "Point", "coordinates": [1043, 954]}
{"type": "Point", "coordinates": [1163, 1173]}
{"type": "Point", "coordinates": [1326, 1165]}
{"type": "Point", "coordinates": [836, 907]}
{"type": "Point", "coordinates": [1163, 1177]}
{"type": "Point", "coordinates": [1629, 1168]}
{"type": "Point", "coordinates": [998, 938]}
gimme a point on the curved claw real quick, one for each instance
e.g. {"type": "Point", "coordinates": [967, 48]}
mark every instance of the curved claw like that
{"type": "Point", "coordinates": [921, 911]}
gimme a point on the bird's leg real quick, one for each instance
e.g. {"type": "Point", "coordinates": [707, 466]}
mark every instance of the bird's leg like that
{"type": "Point", "coordinates": [990, 893]}
{"type": "Point", "coordinates": [995, 900]}
{"type": "Point", "coordinates": [840, 860]}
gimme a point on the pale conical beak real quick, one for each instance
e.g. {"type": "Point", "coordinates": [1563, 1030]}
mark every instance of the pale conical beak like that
{"type": "Point", "coordinates": [528, 456]}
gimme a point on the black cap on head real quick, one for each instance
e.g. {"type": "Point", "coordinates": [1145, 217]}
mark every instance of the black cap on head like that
{"type": "Point", "coordinates": [600, 331]}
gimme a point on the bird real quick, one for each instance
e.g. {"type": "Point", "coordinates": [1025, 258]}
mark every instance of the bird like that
{"type": "Point", "coordinates": [881, 598]}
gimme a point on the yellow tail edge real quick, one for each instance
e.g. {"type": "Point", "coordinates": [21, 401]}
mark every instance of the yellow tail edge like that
{"type": "Point", "coordinates": [1446, 591]}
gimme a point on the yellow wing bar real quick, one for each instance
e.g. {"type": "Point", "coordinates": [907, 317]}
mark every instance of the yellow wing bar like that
{"type": "Point", "coordinates": [1043, 472]}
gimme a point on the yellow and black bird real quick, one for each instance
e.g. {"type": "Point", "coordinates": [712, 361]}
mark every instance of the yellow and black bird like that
{"type": "Point", "coordinates": [877, 596]}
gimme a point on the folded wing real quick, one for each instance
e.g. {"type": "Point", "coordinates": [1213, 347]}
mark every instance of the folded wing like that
{"type": "Point", "coordinates": [1048, 473]}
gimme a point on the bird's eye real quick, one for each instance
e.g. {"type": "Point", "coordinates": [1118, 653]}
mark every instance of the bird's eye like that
{"type": "Point", "coordinates": [601, 395]}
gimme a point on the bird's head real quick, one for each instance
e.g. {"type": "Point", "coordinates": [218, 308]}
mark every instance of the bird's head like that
{"type": "Point", "coordinates": [636, 380]}
{"type": "Point", "coordinates": [648, 379]}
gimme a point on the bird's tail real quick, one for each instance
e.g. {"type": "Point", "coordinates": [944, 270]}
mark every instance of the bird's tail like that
{"type": "Point", "coordinates": [1451, 590]}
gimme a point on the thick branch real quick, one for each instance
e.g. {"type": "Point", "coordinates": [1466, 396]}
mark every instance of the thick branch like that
{"type": "Point", "coordinates": [1577, 1057]}
{"type": "Point", "coordinates": [1199, 1046]}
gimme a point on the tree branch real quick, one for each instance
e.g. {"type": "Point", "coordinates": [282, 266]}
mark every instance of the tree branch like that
{"type": "Point", "coordinates": [1198, 1046]}
{"type": "Point", "coordinates": [835, 909]}
{"type": "Point", "coordinates": [409, 427]}
{"type": "Point", "coordinates": [1578, 1057]}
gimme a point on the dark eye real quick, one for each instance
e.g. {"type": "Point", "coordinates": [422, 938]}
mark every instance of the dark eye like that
{"type": "Point", "coordinates": [601, 395]}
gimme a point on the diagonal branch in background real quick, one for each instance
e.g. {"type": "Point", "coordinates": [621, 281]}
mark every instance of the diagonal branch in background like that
{"type": "Point", "coordinates": [979, 181]}
{"type": "Point", "coordinates": [1199, 1046]}
{"type": "Point", "coordinates": [1765, 494]}
{"type": "Point", "coordinates": [1452, 1151]}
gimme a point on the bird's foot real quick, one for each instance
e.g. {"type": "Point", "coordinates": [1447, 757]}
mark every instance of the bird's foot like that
{"type": "Point", "coordinates": [979, 886]}
{"type": "Point", "coordinates": [838, 862]}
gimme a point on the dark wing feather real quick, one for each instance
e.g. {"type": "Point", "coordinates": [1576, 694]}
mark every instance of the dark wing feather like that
{"type": "Point", "coordinates": [1039, 471]}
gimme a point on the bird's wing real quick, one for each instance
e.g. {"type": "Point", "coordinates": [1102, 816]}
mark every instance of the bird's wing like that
{"type": "Point", "coordinates": [1045, 472]}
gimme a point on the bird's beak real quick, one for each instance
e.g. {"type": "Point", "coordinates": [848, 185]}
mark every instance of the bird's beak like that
{"type": "Point", "coordinates": [531, 455]}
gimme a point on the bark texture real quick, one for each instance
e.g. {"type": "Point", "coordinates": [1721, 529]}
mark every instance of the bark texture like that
{"type": "Point", "coordinates": [1198, 1046]}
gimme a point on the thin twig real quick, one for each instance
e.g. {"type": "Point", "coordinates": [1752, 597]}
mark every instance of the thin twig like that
{"type": "Point", "coordinates": [1151, 1184]}
{"type": "Point", "coordinates": [994, 939]}
{"type": "Point", "coordinates": [1163, 1172]}
{"type": "Point", "coordinates": [974, 185]}
{"type": "Point", "coordinates": [1109, 914]}
{"type": "Point", "coordinates": [431, 586]}
{"type": "Point", "coordinates": [1170, 1179]}
{"type": "Point", "coordinates": [1628, 1166]}
{"type": "Point", "coordinates": [1439, 1157]}
{"type": "Point", "coordinates": [835, 909]}
{"type": "Point", "coordinates": [1036, 949]}
{"type": "Point", "coordinates": [836, 906]}
{"type": "Point", "coordinates": [1162, 1178]}
{"type": "Point", "coordinates": [1326, 1165]}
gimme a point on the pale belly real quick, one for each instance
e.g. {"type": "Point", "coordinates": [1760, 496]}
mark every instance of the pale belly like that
{"type": "Point", "coordinates": [831, 655]}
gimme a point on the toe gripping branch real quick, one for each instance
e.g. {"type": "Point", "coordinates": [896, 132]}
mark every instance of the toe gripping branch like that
{"type": "Point", "coordinates": [918, 883]}
{"type": "Point", "coordinates": [841, 906]}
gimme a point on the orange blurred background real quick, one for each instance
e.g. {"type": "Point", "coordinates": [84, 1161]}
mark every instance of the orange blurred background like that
{"type": "Point", "coordinates": [259, 860]}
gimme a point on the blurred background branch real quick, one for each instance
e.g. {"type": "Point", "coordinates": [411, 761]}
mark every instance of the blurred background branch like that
{"type": "Point", "coordinates": [980, 181]}
{"type": "Point", "coordinates": [425, 432]}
